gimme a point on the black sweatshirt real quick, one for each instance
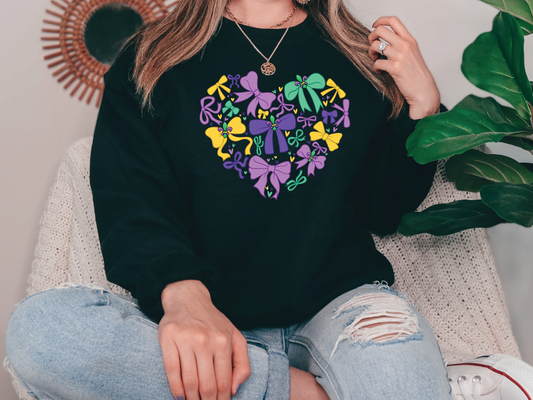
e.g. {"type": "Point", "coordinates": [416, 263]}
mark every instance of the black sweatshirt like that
{"type": "Point", "coordinates": [265, 188]}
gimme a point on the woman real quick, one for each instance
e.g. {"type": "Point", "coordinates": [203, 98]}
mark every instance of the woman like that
{"type": "Point", "coordinates": [242, 155]}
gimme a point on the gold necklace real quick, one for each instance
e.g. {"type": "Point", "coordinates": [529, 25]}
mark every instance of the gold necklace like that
{"type": "Point", "coordinates": [267, 68]}
{"type": "Point", "coordinates": [234, 18]}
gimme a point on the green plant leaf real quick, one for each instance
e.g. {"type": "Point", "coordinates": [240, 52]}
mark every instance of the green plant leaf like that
{"type": "Point", "coordinates": [522, 10]}
{"type": "Point", "coordinates": [471, 123]}
{"type": "Point", "coordinates": [525, 144]}
{"type": "Point", "coordinates": [512, 202]}
{"type": "Point", "coordinates": [495, 62]}
{"type": "Point", "coordinates": [527, 28]}
{"type": "Point", "coordinates": [445, 219]}
{"type": "Point", "coordinates": [511, 41]}
{"type": "Point", "coordinates": [474, 169]}
{"type": "Point", "coordinates": [512, 116]}
{"type": "Point", "coordinates": [529, 166]}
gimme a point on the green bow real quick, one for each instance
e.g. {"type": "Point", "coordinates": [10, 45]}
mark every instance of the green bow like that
{"type": "Point", "coordinates": [300, 180]}
{"type": "Point", "coordinates": [229, 106]}
{"type": "Point", "coordinates": [258, 144]}
{"type": "Point", "coordinates": [314, 81]}
{"type": "Point", "coordinates": [295, 140]}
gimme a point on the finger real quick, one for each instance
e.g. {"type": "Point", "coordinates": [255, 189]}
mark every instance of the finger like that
{"type": "Point", "coordinates": [374, 51]}
{"type": "Point", "coordinates": [189, 373]}
{"type": "Point", "coordinates": [386, 34]}
{"type": "Point", "coordinates": [395, 23]}
{"type": "Point", "coordinates": [382, 65]}
{"type": "Point", "coordinates": [207, 384]}
{"type": "Point", "coordinates": [223, 369]}
{"type": "Point", "coordinates": [241, 362]}
{"type": "Point", "coordinates": [171, 361]}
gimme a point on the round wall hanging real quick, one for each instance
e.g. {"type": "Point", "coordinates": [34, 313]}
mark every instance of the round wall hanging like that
{"type": "Point", "coordinates": [88, 36]}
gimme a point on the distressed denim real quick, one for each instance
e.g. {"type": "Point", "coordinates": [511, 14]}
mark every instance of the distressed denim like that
{"type": "Point", "coordinates": [86, 343]}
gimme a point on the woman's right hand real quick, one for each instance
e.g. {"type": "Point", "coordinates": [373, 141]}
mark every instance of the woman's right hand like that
{"type": "Point", "coordinates": [205, 355]}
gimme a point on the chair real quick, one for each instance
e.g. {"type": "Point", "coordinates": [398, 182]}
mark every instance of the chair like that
{"type": "Point", "coordinates": [452, 280]}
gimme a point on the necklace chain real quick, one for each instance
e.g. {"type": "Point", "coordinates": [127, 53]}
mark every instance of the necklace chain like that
{"type": "Point", "coordinates": [267, 68]}
{"type": "Point", "coordinates": [234, 18]}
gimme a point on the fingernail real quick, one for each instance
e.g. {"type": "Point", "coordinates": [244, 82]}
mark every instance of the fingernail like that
{"type": "Point", "coordinates": [238, 388]}
{"type": "Point", "coordinates": [180, 398]}
{"type": "Point", "coordinates": [373, 24]}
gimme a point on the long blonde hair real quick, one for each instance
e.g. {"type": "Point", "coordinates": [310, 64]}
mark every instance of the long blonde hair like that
{"type": "Point", "coordinates": [187, 29]}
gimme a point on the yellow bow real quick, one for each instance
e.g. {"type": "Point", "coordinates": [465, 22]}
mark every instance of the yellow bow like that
{"type": "Point", "coordinates": [220, 135]}
{"type": "Point", "coordinates": [262, 114]}
{"type": "Point", "coordinates": [218, 85]}
{"type": "Point", "coordinates": [332, 140]}
{"type": "Point", "coordinates": [337, 89]}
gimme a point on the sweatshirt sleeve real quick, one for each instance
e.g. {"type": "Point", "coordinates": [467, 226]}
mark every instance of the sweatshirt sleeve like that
{"type": "Point", "coordinates": [392, 183]}
{"type": "Point", "coordinates": [142, 217]}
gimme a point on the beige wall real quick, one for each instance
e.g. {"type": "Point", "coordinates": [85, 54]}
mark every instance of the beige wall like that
{"type": "Point", "coordinates": [38, 121]}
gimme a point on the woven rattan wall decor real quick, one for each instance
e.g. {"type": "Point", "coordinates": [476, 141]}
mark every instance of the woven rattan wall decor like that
{"type": "Point", "coordinates": [87, 35]}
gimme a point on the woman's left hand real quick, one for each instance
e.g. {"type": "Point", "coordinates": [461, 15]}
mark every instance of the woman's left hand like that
{"type": "Point", "coordinates": [406, 66]}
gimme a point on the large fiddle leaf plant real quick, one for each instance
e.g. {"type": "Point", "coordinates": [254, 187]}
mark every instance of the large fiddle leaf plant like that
{"type": "Point", "coordinates": [522, 10]}
{"type": "Point", "coordinates": [494, 62]}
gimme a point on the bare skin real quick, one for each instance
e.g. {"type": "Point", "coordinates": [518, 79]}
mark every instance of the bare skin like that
{"type": "Point", "coordinates": [305, 387]}
{"type": "Point", "coordinates": [406, 66]}
{"type": "Point", "coordinates": [265, 13]}
{"type": "Point", "coordinates": [204, 354]}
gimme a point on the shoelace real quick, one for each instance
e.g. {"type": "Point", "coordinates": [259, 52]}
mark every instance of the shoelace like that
{"type": "Point", "coordinates": [465, 389]}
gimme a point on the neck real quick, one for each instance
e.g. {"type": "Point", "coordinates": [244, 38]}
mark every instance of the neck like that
{"type": "Point", "coordinates": [265, 13]}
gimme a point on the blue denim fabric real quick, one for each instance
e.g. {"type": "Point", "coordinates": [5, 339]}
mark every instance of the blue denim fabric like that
{"type": "Point", "coordinates": [84, 343]}
{"type": "Point", "coordinates": [410, 367]}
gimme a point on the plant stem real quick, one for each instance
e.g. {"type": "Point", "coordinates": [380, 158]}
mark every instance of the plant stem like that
{"type": "Point", "coordinates": [523, 135]}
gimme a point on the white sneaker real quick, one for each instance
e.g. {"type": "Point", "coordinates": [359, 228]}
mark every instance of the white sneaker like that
{"type": "Point", "coordinates": [494, 377]}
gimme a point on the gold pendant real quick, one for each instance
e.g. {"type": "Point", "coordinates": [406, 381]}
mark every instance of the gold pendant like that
{"type": "Point", "coordinates": [268, 68]}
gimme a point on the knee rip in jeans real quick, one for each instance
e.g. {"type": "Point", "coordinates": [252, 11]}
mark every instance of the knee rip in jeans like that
{"type": "Point", "coordinates": [385, 318]}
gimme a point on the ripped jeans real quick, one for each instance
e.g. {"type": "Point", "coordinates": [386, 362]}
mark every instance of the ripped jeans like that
{"type": "Point", "coordinates": [84, 343]}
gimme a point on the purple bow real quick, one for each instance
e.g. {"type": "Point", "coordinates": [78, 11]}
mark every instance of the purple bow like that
{"type": "Point", "coordinates": [207, 111]}
{"type": "Point", "coordinates": [307, 121]}
{"type": "Point", "coordinates": [345, 116]}
{"type": "Point", "coordinates": [329, 114]}
{"type": "Point", "coordinates": [284, 107]}
{"type": "Point", "coordinates": [319, 149]}
{"type": "Point", "coordinates": [259, 168]}
{"type": "Point", "coordinates": [234, 80]}
{"type": "Point", "coordinates": [236, 164]}
{"type": "Point", "coordinates": [249, 82]}
{"type": "Point", "coordinates": [314, 160]}
{"type": "Point", "coordinates": [287, 122]}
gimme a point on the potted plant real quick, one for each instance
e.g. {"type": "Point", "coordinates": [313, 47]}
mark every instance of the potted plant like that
{"type": "Point", "coordinates": [493, 62]}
